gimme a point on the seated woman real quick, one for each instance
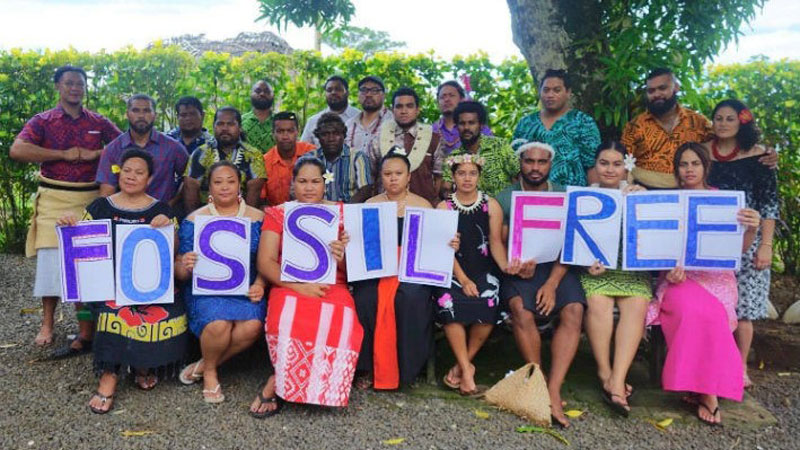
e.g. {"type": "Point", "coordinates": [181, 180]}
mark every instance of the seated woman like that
{"type": "Point", "coordinates": [312, 329]}
{"type": "Point", "coordinates": [629, 291]}
{"type": "Point", "coordinates": [118, 348]}
{"type": "Point", "coordinates": [472, 301]}
{"type": "Point", "coordinates": [697, 312]}
{"type": "Point", "coordinates": [397, 317]}
{"type": "Point", "coordinates": [225, 325]}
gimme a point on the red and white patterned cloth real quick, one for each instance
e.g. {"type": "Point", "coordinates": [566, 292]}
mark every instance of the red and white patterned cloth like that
{"type": "Point", "coordinates": [314, 345]}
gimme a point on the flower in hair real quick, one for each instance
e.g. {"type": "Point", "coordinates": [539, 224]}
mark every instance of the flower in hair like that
{"type": "Point", "coordinates": [328, 176]}
{"type": "Point", "coordinates": [745, 116]}
{"type": "Point", "coordinates": [115, 169]}
{"type": "Point", "coordinates": [466, 158]}
{"type": "Point", "coordinates": [630, 162]}
{"type": "Point", "coordinates": [397, 150]}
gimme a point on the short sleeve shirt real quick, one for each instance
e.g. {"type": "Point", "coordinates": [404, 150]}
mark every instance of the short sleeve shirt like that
{"type": "Point", "coordinates": [169, 162]}
{"type": "Point", "coordinates": [246, 158]}
{"type": "Point", "coordinates": [201, 139]}
{"type": "Point", "coordinates": [256, 133]}
{"type": "Point", "coordinates": [504, 197]}
{"type": "Point", "coordinates": [502, 164]}
{"type": "Point", "coordinates": [277, 189]}
{"type": "Point", "coordinates": [574, 137]}
{"type": "Point", "coordinates": [56, 130]}
{"type": "Point", "coordinates": [350, 171]}
{"type": "Point", "coordinates": [311, 125]}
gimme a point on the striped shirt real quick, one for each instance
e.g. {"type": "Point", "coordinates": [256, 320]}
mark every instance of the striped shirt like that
{"type": "Point", "coordinates": [350, 171]}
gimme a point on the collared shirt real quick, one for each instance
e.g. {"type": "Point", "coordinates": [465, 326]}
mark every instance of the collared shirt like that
{"type": "Point", "coordinates": [653, 147]}
{"type": "Point", "coordinates": [277, 189]}
{"type": "Point", "coordinates": [245, 157]}
{"type": "Point", "coordinates": [311, 125]}
{"type": "Point", "coordinates": [375, 156]}
{"type": "Point", "coordinates": [451, 140]}
{"type": "Point", "coordinates": [169, 162]}
{"type": "Point", "coordinates": [574, 137]}
{"type": "Point", "coordinates": [54, 129]}
{"type": "Point", "coordinates": [504, 197]}
{"type": "Point", "coordinates": [199, 140]}
{"type": "Point", "coordinates": [258, 134]}
{"type": "Point", "coordinates": [358, 136]}
{"type": "Point", "coordinates": [350, 171]}
{"type": "Point", "coordinates": [502, 164]}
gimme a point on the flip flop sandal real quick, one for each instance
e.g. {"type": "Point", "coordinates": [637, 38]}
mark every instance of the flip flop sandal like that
{"type": "Point", "coordinates": [618, 408]}
{"type": "Point", "coordinates": [449, 383]}
{"type": "Point", "coordinates": [104, 399]}
{"type": "Point", "coordinates": [67, 351]}
{"type": "Point", "coordinates": [146, 378]}
{"type": "Point", "coordinates": [262, 400]}
{"type": "Point", "coordinates": [713, 414]}
{"type": "Point", "coordinates": [213, 400]}
{"type": "Point", "coordinates": [478, 392]}
{"type": "Point", "coordinates": [194, 376]}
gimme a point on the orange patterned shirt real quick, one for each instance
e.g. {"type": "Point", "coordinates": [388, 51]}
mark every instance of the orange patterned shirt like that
{"type": "Point", "coordinates": [653, 147]}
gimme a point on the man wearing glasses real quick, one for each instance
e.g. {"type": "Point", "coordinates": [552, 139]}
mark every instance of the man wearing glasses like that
{"type": "Point", "coordinates": [336, 92]}
{"type": "Point", "coordinates": [364, 127]}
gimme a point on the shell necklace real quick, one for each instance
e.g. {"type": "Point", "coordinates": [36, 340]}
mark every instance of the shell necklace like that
{"type": "Point", "coordinates": [471, 208]}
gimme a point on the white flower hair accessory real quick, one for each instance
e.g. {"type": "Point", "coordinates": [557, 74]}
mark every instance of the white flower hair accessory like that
{"type": "Point", "coordinates": [328, 176]}
{"type": "Point", "coordinates": [630, 162]}
{"type": "Point", "coordinates": [521, 145]}
{"type": "Point", "coordinates": [397, 150]}
{"type": "Point", "coordinates": [466, 158]}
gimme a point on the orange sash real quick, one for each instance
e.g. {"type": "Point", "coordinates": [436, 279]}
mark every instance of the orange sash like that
{"type": "Point", "coordinates": [386, 370]}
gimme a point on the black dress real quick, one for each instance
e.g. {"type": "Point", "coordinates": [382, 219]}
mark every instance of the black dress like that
{"type": "Point", "coordinates": [760, 187]}
{"type": "Point", "coordinates": [452, 305]}
{"type": "Point", "coordinates": [151, 337]}
{"type": "Point", "coordinates": [413, 313]}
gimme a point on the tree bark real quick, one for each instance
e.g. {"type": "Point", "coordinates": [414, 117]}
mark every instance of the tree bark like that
{"type": "Point", "coordinates": [538, 30]}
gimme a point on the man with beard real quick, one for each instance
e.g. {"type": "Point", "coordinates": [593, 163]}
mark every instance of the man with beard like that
{"type": "Point", "coordinates": [227, 145]}
{"type": "Point", "coordinates": [66, 142]}
{"type": "Point", "coordinates": [419, 141]}
{"type": "Point", "coordinates": [190, 131]}
{"type": "Point", "coordinates": [364, 127]}
{"type": "Point", "coordinates": [347, 174]}
{"type": "Point", "coordinates": [545, 290]}
{"type": "Point", "coordinates": [169, 155]}
{"type": "Point", "coordinates": [653, 136]}
{"type": "Point", "coordinates": [336, 92]}
{"type": "Point", "coordinates": [279, 160]}
{"type": "Point", "coordinates": [572, 134]}
{"type": "Point", "coordinates": [449, 95]}
{"type": "Point", "coordinates": [501, 166]}
{"type": "Point", "coordinates": [257, 123]}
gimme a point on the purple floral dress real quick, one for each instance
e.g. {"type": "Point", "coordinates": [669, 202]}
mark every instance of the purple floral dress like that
{"type": "Point", "coordinates": [452, 305]}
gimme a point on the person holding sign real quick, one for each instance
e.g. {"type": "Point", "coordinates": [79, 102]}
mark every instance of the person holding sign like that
{"type": "Point", "coordinates": [397, 317]}
{"type": "Point", "coordinates": [148, 339]}
{"type": "Point", "coordinates": [470, 307]}
{"type": "Point", "coordinates": [306, 320]}
{"type": "Point", "coordinates": [735, 153]}
{"type": "Point", "coordinates": [225, 324]}
{"type": "Point", "coordinates": [552, 290]}
{"type": "Point", "coordinates": [604, 288]}
{"type": "Point", "coordinates": [697, 312]}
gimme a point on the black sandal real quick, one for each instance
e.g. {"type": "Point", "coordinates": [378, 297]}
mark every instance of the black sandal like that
{"type": "Point", "coordinates": [618, 408]}
{"type": "Point", "coordinates": [262, 400]}
{"type": "Point", "coordinates": [68, 351]}
{"type": "Point", "coordinates": [103, 398]}
{"type": "Point", "coordinates": [713, 414]}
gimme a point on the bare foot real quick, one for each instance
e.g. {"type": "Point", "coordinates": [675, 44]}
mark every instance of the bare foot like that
{"type": "Point", "coordinates": [453, 377]}
{"type": "Point", "coordinates": [708, 409]}
{"type": "Point", "coordinates": [146, 381]}
{"type": "Point", "coordinates": [557, 411]}
{"type": "Point", "coordinates": [748, 383]}
{"type": "Point", "coordinates": [261, 404]}
{"type": "Point", "coordinates": [45, 337]}
{"type": "Point", "coordinates": [467, 383]}
{"type": "Point", "coordinates": [103, 400]}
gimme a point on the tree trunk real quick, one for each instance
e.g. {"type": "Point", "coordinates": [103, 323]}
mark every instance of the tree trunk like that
{"type": "Point", "coordinates": [317, 40]}
{"type": "Point", "coordinates": [538, 30]}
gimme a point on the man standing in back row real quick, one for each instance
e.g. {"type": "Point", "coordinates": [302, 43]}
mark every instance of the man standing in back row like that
{"type": "Point", "coordinates": [363, 127]}
{"type": "Point", "coordinates": [336, 96]}
{"type": "Point", "coordinates": [257, 123]}
{"type": "Point", "coordinates": [67, 142]}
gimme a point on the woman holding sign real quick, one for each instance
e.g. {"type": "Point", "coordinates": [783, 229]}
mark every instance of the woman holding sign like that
{"type": "Point", "coordinates": [735, 153]}
{"type": "Point", "coordinates": [697, 312]}
{"type": "Point", "coordinates": [605, 288]}
{"type": "Point", "coordinates": [312, 329]}
{"type": "Point", "coordinates": [397, 317]}
{"type": "Point", "coordinates": [470, 307]}
{"type": "Point", "coordinates": [225, 324]}
{"type": "Point", "coordinates": [149, 339]}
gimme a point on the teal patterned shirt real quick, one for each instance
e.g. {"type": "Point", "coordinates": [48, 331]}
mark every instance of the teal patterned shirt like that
{"type": "Point", "coordinates": [574, 136]}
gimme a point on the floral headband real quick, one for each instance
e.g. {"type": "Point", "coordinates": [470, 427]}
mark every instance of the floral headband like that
{"type": "Point", "coordinates": [466, 158]}
{"type": "Point", "coordinates": [521, 145]}
{"type": "Point", "coordinates": [745, 116]}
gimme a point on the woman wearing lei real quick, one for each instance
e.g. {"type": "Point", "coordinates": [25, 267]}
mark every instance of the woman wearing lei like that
{"type": "Point", "coordinates": [469, 308]}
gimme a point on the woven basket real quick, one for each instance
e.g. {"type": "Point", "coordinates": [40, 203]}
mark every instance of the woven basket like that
{"type": "Point", "coordinates": [523, 393]}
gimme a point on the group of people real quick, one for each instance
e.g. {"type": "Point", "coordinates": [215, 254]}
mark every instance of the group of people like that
{"type": "Point", "coordinates": [252, 163]}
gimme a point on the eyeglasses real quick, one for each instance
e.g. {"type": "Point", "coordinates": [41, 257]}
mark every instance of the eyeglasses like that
{"type": "Point", "coordinates": [375, 90]}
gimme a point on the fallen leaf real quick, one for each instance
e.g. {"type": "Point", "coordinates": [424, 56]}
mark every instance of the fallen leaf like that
{"type": "Point", "coordinates": [557, 435]}
{"type": "Point", "coordinates": [780, 374]}
{"type": "Point", "coordinates": [761, 365]}
{"type": "Point", "coordinates": [481, 414]}
{"type": "Point", "coordinates": [535, 429]}
{"type": "Point", "coordinates": [118, 411]}
{"type": "Point", "coordinates": [130, 433]}
{"type": "Point", "coordinates": [573, 413]}
{"type": "Point", "coordinates": [664, 423]}
{"type": "Point", "coordinates": [8, 345]}
{"type": "Point", "coordinates": [395, 441]}
{"type": "Point", "coordinates": [24, 311]}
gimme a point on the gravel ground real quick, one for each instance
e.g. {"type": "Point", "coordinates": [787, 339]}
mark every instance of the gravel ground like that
{"type": "Point", "coordinates": [43, 405]}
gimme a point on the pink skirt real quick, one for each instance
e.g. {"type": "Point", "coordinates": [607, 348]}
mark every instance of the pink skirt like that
{"type": "Point", "coordinates": [314, 345]}
{"type": "Point", "coordinates": [702, 356]}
